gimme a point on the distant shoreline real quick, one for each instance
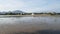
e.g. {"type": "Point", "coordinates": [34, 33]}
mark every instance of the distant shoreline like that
{"type": "Point", "coordinates": [27, 15]}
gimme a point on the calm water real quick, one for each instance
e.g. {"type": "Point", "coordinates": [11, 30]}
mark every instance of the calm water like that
{"type": "Point", "coordinates": [28, 24]}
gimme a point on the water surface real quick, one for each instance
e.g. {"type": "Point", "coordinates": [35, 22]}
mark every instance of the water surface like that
{"type": "Point", "coordinates": [28, 24]}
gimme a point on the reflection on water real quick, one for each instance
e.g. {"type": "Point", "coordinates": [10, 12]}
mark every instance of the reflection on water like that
{"type": "Point", "coordinates": [28, 24]}
{"type": "Point", "coordinates": [29, 20]}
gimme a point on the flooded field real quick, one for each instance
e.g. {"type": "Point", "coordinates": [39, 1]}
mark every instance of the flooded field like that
{"type": "Point", "coordinates": [20, 25]}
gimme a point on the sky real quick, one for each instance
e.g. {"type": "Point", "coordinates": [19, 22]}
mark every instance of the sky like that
{"type": "Point", "coordinates": [30, 5]}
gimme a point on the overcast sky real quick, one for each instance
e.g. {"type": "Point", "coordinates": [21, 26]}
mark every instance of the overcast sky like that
{"type": "Point", "coordinates": [30, 5]}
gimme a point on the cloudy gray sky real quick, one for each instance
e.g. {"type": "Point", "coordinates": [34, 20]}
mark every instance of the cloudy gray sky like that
{"type": "Point", "coordinates": [30, 5]}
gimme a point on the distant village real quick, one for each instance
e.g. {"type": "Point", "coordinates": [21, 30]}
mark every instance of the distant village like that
{"type": "Point", "coordinates": [18, 12]}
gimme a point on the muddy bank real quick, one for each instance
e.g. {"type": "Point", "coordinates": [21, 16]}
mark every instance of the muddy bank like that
{"type": "Point", "coordinates": [39, 32]}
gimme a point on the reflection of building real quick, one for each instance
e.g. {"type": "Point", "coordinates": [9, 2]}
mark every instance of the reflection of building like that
{"type": "Point", "coordinates": [32, 13]}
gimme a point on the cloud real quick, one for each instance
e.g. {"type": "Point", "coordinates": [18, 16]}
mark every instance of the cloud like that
{"type": "Point", "coordinates": [11, 4]}
{"type": "Point", "coordinates": [29, 5]}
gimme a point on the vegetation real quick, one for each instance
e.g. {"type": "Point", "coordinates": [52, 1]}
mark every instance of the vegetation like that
{"type": "Point", "coordinates": [18, 12]}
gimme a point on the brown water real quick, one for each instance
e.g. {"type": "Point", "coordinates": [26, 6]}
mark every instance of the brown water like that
{"type": "Point", "coordinates": [28, 24]}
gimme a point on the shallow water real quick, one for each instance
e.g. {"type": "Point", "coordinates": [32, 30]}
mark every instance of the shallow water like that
{"type": "Point", "coordinates": [28, 24]}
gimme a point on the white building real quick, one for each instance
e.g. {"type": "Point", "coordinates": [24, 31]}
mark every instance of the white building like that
{"type": "Point", "coordinates": [32, 14]}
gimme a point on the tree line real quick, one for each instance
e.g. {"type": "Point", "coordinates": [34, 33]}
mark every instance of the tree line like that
{"type": "Point", "coordinates": [29, 13]}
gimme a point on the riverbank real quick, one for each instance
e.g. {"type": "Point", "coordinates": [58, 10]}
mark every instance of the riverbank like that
{"type": "Point", "coordinates": [39, 32]}
{"type": "Point", "coordinates": [26, 15]}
